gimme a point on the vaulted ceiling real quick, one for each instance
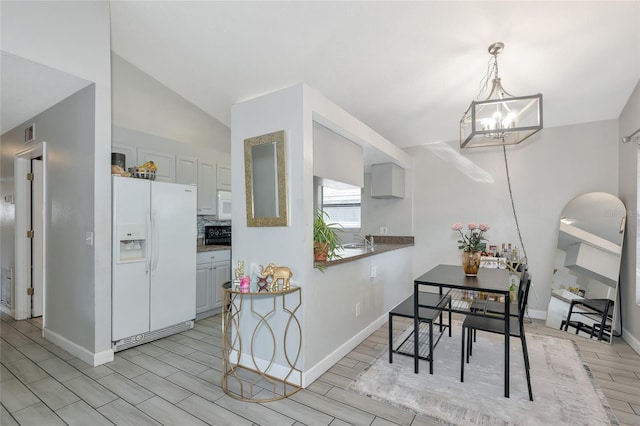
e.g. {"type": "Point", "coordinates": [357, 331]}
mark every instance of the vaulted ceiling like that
{"type": "Point", "coordinates": [406, 69]}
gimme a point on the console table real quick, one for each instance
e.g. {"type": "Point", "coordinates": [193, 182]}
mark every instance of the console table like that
{"type": "Point", "coordinates": [261, 343]}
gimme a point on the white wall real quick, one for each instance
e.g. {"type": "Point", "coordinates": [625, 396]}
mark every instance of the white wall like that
{"type": "Point", "coordinates": [628, 175]}
{"type": "Point", "coordinates": [74, 37]}
{"type": "Point", "coordinates": [547, 171]}
{"type": "Point", "coordinates": [327, 316]}
{"type": "Point", "coordinates": [393, 214]}
{"type": "Point", "coordinates": [143, 104]}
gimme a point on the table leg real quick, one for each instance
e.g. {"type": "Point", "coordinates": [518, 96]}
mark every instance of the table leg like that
{"type": "Point", "coordinates": [507, 334]}
{"type": "Point", "coordinates": [390, 338]}
{"type": "Point", "coordinates": [416, 328]}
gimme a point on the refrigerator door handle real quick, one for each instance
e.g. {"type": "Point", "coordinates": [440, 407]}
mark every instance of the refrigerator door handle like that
{"type": "Point", "coordinates": [148, 254]}
{"type": "Point", "coordinates": [156, 240]}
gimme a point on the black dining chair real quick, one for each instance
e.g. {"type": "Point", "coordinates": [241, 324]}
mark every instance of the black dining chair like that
{"type": "Point", "coordinates": [495, 307]}
{"type": "Point", "coordinates": [593, 317]}
{"type": "Point", "coordinates": [496, 325]}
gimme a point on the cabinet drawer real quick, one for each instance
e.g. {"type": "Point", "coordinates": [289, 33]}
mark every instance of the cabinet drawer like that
{"type": "Point", "coordinates": [214, 256]}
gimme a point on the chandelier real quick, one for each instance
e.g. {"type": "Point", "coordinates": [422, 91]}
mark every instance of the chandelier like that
{"type": "Point", "coordinates": [500, 119]}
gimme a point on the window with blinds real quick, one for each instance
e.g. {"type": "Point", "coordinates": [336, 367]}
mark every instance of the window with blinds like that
{"type": "Point", "coordinates": [342, 206]}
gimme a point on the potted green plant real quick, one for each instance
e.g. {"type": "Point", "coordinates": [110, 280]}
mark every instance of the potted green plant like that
{"type": "Point", "coordinates": [325, 237]}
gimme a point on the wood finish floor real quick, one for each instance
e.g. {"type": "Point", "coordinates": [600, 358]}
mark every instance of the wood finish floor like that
{"type": "Point", "coordinates": [176, 381]}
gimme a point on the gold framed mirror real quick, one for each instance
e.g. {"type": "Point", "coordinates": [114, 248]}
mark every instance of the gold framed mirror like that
{"type": "Point", "coordinates": [266, 180]}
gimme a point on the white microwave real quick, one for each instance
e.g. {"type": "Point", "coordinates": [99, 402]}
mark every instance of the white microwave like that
{"type": "Point", "coordinates": [224, 205]}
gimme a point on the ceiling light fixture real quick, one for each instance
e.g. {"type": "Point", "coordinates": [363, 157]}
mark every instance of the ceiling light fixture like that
{"type": "Point", "coordinates": [500, 119]}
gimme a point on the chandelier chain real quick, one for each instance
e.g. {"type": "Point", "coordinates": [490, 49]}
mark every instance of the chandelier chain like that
{"type": "Point", "coordinates": [492, 72]}
{"type": "Point", "coordinates": [515, 217]}
{"type": "Point", "coordinates": [513, 206]}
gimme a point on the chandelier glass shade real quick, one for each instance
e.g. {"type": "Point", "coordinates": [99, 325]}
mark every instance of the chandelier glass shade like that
{"type": "Point", "coordinates": [500, 119]}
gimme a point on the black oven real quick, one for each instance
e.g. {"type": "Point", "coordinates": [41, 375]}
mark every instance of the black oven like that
{"type": "Point", "coordinates": [217, 235]}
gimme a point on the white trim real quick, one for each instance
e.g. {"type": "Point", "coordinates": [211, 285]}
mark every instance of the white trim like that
{"type": "Point", "coordinates": [632, 341]}
{"type": "Point", "coordinates": [93, 359]}
{"type": "Point", "coordinates": [330, 360]}
{"type": "Point", "coordinates": [536, 314]}
{"type": "Point", "coordinates": [22, 305]}
{"type": "Point", "coordinates": [280, 372]}
{"type": "Point", "coordinates": [7, 310]}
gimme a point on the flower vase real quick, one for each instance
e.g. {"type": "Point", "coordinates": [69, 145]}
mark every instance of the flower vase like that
{"type": "Point", "coordinates": [471, 262]}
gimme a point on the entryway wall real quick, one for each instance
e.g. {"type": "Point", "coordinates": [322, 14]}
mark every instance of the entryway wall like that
{"type": "Point", "coordinates": [78, 309]}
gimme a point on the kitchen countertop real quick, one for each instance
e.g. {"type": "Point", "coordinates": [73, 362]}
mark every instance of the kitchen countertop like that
{"type": "Point", "coordinates": [201, 248]}
{"type": "Point", "coordinates": [383, 244]}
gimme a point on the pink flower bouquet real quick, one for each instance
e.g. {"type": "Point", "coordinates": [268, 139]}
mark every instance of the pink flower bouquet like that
{"type": "Point", "coordinates": [474, 239]}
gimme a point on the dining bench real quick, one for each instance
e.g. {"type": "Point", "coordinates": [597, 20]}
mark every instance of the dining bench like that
{"type": "Point", "coordinates": [426, 317]}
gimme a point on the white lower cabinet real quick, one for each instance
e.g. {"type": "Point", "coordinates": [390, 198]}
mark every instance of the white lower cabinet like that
{"type": "Point", "coordinates": [213, 269]}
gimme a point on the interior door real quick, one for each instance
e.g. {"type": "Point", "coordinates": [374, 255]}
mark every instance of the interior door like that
{"type": "Point", "coordinates": [37, 242]}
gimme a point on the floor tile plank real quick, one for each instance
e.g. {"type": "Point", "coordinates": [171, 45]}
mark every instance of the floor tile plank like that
{"type": "Point", "coordinates": [37, 415]}
{"type": "Point", "coordinates": [81, 414]}
{"type": "Point", "coordinates": [15, 396]}
{"type": "Point", "coordinates": [167, 413]}
{"type": "Point", "coordinates": [131, 392]}
{"type": "Point", "coordinates": [212, 413]}
{"type": "Point", "coordinates": [53, 393]}
{"type": "Point", "coordinates": [162, 387]}
{"type": "Point", "coordinates": [90, 391]}
{"type": "Point", "coordinates": [122, 413]}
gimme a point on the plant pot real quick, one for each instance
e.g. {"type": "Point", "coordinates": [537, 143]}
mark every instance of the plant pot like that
{"type": "Point", "coordinates": [320, 251]}
{"type": "Point", "coordinates": [471, 263]}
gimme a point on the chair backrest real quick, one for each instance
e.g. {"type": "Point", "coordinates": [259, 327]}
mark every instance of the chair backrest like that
{"type": "Point", "coordinates": [523, 294]}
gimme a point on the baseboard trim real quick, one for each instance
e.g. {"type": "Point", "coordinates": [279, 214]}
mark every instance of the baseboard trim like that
{"type": "Point", "coordinates": [7, 310]}
{"type": "Point", "coordinates": [537, 314]}
{"type": "Point", "coordinates": [631, 340]}
{"type": "Point", "coordinates": [310, 375]}
{"type": "Point", "coordinates": [91, 358]}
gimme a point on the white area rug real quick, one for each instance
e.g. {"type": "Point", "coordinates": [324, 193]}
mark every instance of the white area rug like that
{"type": "Point", "coordinates": [564, 389]}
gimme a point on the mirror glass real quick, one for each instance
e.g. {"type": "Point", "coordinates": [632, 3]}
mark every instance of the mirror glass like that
{"type": "Point", "coordinates": [587, 266]}
{"type": "Point", "coordinates": [265, 180]}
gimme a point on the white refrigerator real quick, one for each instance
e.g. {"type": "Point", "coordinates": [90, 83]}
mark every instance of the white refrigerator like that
{"type": "Point", "coordinates": [153, 261]}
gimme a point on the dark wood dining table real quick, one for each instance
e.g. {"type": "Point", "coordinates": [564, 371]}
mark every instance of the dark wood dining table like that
{"type": "Point", "coordinates": [462, 287]}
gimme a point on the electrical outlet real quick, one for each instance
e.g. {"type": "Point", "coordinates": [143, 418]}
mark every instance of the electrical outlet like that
{"type": "Point", "coordinates": [374, 271]}
{"type": "Point", "coordinates": [357, 309]}
{"type": "Point", "coordinates": [383, 230]}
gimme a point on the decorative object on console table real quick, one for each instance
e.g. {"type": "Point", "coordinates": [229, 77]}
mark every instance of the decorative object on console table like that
{"type": "Point", "coordinates": [238, 273]}
{"type": "Point", "coordinates": [263, 284]}
{"type": "Point", "coordinates": [325, 238]}
{"type": "Point", "coordinates": [277, 273]}
{"type": "Point", "coordinates": [472, 244]}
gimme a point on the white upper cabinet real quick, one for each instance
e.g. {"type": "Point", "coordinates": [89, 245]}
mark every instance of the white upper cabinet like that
{"type": "Point", "coordinates": [187, 170]}
{"type": "Point", "coordinates": [166, 164]}
{"type": "Point", "coordinates": [207, 186]}
{"type": "Point", "coordinates": [387, 181]}
{"type": "Point", "coordinates": [224, 178]}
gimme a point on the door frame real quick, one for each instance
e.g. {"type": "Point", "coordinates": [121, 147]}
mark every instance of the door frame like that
{"type": "Point", "coordinates": [22, 165]}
